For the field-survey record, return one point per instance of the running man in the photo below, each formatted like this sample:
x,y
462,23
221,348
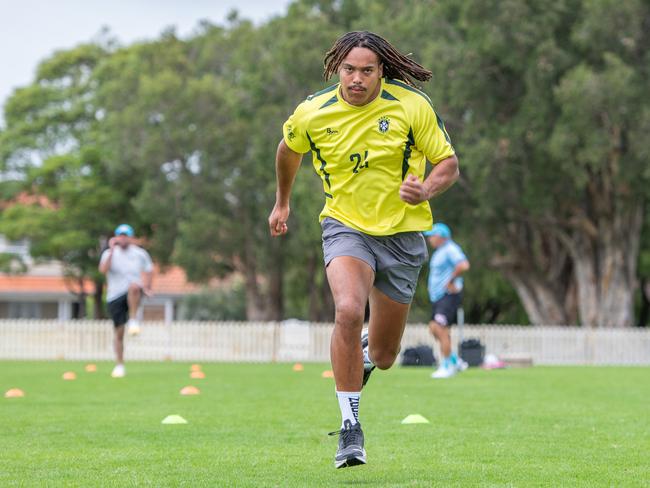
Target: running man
x,y
370,135
445,286
128,270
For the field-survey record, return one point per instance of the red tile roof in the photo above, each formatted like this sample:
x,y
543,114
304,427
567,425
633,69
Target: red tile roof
x,y
24,198
173,281
40,284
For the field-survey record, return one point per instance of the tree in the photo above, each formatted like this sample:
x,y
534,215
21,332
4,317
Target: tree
x,y
49,149
549,110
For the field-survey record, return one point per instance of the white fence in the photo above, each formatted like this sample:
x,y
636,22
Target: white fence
x,y
301,341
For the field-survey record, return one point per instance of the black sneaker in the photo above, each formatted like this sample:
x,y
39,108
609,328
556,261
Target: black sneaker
x,y
368,367
350,451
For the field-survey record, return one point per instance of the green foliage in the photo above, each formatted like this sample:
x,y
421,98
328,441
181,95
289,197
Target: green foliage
x,y
11,263
220,304
545,103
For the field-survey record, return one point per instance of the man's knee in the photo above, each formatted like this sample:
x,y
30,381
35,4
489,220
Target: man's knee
x,y
349,314
119,333
383,358
134,289
432,328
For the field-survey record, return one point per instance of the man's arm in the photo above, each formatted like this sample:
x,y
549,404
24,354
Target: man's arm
x,y
287,163
105,265
147,278
443,175
458,270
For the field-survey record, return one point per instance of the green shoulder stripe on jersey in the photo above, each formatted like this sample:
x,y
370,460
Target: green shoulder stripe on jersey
x,y
322,92
409,88
441,124
331,101
387,96
323,163
407,153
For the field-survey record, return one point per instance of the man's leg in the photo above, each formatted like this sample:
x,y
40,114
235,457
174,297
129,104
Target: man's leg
x,y
387,322
134,295
119,371
446,367
441,333
118,310
350,280
118,343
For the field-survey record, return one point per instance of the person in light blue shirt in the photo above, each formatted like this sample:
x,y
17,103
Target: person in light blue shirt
x,y
448,262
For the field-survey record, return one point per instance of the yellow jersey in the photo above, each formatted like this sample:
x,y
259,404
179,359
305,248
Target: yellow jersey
x,y
363,153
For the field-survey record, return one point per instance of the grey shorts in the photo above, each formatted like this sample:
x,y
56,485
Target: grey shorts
x,y
396,260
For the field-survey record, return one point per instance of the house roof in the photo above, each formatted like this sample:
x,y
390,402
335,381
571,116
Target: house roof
x,y
170,282
25,198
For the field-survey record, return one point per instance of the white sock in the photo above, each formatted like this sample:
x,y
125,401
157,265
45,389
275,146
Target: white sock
x,y
349,405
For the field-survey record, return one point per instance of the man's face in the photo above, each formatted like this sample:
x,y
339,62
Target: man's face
x,y
360,74
122,240
436,241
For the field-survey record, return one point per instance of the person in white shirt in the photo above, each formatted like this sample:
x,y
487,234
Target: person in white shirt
x,y
128,270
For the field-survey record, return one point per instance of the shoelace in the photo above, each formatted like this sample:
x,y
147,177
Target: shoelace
x,y
350,436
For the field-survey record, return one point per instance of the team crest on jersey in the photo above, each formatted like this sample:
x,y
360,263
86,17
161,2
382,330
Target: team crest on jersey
x,y
384,124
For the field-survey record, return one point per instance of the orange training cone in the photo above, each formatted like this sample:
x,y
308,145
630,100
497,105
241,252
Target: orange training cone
x,y
91,368
14,393
197,375
69,375
195,367
328,373
298,367
190,390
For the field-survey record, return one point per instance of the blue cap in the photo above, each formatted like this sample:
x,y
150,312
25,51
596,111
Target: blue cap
x,y
124,229
439,229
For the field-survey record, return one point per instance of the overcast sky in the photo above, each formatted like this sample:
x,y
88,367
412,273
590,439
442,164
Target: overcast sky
x,y
31,30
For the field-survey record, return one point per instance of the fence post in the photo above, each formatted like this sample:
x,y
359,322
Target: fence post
x,y
589,346
168,327
276,341
63,340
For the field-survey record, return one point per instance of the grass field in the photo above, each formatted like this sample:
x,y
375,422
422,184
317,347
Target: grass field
x,y
266,425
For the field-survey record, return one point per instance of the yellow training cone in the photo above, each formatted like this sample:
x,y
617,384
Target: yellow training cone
x,y
328,373
14,393
197,375
91,368
415,419
298,367
190,390
195,367
173,419
69,375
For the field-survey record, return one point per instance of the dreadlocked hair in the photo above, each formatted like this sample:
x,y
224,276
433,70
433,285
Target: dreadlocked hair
x,y
396,65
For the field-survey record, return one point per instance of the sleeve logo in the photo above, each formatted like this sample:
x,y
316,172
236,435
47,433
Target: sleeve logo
x,y
290,133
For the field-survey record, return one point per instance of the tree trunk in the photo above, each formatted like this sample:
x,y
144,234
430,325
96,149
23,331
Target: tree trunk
x,y
275,293
540,300
255,309
321,302
539,269
81,306
605,263
99,312
644,313
255,303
